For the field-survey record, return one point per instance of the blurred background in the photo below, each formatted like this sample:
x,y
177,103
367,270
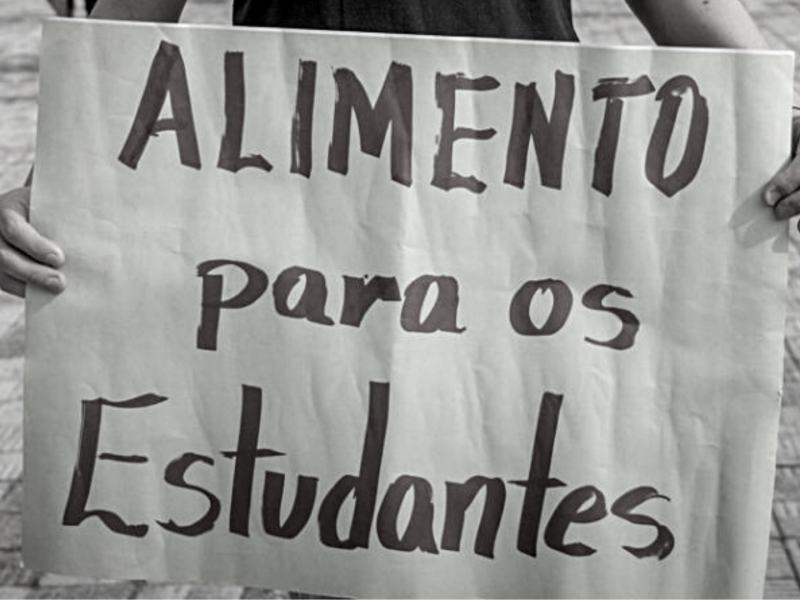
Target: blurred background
x,y
597,21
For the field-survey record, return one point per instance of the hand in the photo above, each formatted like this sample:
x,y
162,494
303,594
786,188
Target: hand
x,y
25,255
783,190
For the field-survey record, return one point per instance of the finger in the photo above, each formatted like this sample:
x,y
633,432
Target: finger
x,y
20,267
788,207
785,183
16,230
12,286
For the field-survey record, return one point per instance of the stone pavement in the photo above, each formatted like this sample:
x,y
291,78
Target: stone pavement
x,y
598,21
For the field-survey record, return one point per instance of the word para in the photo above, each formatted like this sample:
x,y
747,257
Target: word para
x,y
359,296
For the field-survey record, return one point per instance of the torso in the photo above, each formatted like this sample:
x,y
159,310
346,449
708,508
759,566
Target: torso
x,y
519,19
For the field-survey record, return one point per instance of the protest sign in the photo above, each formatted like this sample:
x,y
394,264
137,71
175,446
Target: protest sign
x,y
401,316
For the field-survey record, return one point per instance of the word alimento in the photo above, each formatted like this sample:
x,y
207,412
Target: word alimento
x,y
530,124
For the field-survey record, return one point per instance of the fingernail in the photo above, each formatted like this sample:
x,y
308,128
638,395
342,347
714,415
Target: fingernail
x,y
53,259
771,196
784,210
54,284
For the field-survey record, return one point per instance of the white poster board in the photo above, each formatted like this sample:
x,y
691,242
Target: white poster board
x,y
397,316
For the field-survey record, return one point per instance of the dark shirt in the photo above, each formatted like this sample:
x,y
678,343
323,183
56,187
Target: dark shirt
x,y
520,19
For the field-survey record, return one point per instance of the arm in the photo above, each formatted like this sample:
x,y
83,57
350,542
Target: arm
x,y
709,23
25,255
723,24
159,11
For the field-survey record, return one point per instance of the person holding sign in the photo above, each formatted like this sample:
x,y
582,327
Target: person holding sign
x,y
28,257
616,422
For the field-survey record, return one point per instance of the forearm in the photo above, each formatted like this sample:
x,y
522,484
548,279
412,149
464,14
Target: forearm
x,y
708,23
160,11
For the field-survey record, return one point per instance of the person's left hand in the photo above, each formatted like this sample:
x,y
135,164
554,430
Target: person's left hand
x,y
783,190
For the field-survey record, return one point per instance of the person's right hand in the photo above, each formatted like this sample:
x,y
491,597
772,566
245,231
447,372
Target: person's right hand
x,y
25,255
783,190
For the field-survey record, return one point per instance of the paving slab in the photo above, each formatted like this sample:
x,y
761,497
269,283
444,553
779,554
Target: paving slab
x,y
13,575
11,467
779,567
781,589
793,550
787,515
123,589
787,484
13,592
